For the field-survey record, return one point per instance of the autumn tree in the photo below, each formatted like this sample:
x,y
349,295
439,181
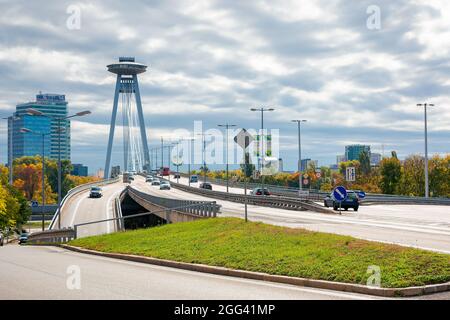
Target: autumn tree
x,y
390,174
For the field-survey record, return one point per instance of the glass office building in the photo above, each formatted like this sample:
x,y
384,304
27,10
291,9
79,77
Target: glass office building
x,y
54,107
352,152
27,143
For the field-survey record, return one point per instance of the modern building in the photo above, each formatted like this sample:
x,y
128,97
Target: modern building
x,y
53,106
352,152
340,158
375,159
79,170
304,165
29,143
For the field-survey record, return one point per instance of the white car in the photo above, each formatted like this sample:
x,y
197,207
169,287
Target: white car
x,y
155,182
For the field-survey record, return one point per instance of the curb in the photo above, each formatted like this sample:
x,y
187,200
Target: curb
x,y
303,282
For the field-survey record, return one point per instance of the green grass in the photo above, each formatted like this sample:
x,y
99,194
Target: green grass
x,y
35,224
232,243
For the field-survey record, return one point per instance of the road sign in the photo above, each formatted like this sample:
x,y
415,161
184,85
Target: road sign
x,y
271,166
243,139
303,192
339,193
305,176
350,174
34,204
361,194
305,182
318,175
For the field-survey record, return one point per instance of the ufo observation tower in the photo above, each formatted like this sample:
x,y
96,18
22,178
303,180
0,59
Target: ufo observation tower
x,y
135,146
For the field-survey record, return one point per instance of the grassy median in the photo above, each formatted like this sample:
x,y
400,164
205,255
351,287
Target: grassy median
x,y
232,243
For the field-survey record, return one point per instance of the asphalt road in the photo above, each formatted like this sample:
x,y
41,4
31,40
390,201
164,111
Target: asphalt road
x,y
426,227
42,273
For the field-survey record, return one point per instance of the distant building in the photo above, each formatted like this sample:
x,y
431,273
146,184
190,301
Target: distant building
x,y
334,166
340,158
52,106
352,152
304,165
27,143
79,170
375,159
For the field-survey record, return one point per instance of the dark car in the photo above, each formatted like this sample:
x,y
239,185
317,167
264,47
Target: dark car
x,y
23,238
259,192
206,185
96,192
193,179
176,176
352,201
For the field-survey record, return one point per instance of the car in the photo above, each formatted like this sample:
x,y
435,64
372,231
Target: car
x,y
259,192
352,201
96,192
176,176
155,182
193,179
149,179
164,185
131,177
23,238
206,185
1,239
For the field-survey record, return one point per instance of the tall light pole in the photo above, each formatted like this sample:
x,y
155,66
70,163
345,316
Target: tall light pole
x,y
42,134
203,153
425,105
10,128
299,153
35,112
262,110
189,140
227,126
177,164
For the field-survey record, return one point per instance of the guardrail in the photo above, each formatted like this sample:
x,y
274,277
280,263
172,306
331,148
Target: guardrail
x,y
318,195
198,208
265,201
52,236
76,190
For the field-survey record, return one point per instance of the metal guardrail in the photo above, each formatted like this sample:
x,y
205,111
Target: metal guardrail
x,y
318,195
198,208
76,190
265,201
52,236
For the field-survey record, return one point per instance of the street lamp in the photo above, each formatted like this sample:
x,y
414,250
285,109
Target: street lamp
x,y
42,134
203,153
35,112
189,139
227,126
177,164
11,120
262,110
425,105
299,153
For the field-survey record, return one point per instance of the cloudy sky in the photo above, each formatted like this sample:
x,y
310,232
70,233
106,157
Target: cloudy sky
x,y
213,60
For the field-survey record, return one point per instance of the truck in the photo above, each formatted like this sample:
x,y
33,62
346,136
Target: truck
x,y
164,171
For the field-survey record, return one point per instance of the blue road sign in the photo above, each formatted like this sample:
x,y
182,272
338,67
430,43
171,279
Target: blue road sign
x,y
339,193
34,204
361,194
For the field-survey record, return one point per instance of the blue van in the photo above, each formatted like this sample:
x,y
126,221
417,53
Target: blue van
x,y
193,179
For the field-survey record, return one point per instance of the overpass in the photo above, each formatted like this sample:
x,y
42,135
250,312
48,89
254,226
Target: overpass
x,y
426,227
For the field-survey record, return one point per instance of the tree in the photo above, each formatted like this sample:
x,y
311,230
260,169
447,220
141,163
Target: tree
x,y
390,172
440,176
364,160
412,181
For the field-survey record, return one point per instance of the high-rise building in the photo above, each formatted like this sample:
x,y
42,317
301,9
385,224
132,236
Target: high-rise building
x,y
304,165
352,152
79,170
375,159
29,144
53,106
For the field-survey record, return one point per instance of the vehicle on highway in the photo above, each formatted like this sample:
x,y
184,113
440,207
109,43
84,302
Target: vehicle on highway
x,y
1,239
193,179
164,185
206,185
155,182
352,201
259,192
149,179
23,238
96,192
176,176
165,171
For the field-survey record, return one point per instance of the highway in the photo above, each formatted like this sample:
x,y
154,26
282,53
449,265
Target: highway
x,y
421,226
26,271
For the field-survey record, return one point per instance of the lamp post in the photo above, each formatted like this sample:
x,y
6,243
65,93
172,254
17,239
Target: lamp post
x,y
227,126
35,112
11,120
425,105
177,164
189,140
262,110
299,153
42,134
203,153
